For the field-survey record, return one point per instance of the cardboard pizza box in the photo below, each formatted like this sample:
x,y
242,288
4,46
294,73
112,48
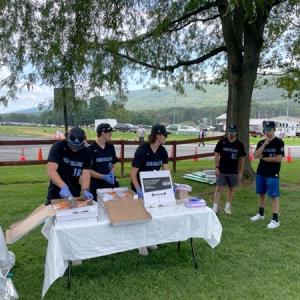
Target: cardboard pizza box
x,y
125,211
21,228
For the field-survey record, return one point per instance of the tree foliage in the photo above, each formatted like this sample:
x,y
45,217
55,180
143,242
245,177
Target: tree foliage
x,y
95,44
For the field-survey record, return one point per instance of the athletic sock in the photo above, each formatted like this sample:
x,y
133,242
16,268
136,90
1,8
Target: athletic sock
x,y
227,205
215,207
275,217
261,211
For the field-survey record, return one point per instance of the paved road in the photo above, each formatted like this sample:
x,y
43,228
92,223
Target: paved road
x,y
13,152
8,153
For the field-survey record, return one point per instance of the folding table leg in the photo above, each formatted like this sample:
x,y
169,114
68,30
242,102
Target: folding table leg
x,y
69,273
193,253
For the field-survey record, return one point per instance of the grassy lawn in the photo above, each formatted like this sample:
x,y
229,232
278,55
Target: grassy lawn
x,y
251,262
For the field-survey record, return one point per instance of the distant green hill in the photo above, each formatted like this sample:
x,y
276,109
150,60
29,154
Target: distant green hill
x,y
215,95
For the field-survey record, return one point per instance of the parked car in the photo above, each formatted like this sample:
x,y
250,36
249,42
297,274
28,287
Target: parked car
x,y
256,133
126,127
172,128
188,130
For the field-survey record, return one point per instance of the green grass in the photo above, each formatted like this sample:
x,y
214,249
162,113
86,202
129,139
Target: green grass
x,y
251,262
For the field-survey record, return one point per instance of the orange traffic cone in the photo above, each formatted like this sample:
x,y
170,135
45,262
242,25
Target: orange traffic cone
x,y
22,156
40,154
289,156
251,156
196,152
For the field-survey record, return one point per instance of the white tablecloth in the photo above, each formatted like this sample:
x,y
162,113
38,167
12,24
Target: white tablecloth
x,y
168,224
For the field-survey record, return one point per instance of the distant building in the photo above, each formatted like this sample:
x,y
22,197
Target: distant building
x,y
285,125
254,124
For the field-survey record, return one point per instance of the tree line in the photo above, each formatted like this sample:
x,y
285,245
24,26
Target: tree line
x,y
100,108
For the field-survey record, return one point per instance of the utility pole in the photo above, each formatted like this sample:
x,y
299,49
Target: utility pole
x,y
174,119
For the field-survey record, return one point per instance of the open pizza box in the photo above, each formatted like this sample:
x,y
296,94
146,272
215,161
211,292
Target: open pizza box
x,y
17,230
122,206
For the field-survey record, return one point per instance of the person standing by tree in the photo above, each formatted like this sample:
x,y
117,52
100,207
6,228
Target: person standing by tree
x,y
270,152
104,159
149,157
229,166
68,167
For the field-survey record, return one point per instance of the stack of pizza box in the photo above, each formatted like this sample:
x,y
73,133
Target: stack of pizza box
x,y
76,212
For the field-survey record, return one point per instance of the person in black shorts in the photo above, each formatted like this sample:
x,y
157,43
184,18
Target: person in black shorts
x,y
68,167
104,159
270,152
149,156
229,166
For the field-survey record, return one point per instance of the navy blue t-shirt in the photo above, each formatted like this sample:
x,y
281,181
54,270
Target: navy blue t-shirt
x,y
274,148
230,152
70,166
145,160
103,160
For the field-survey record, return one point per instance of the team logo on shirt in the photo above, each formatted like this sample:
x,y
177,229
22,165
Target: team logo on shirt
x,y
72,162
104,159
154,163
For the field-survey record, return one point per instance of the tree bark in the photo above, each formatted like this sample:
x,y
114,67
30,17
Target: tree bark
x,y
243,46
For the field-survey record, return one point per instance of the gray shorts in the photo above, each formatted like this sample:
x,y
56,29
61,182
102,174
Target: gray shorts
x,y
227,179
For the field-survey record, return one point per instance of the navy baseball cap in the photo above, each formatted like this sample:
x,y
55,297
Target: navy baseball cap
x,y
75,138
268,125
159,129
104,127
232,128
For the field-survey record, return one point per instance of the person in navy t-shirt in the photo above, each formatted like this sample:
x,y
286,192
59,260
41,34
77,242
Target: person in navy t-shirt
x,y
149,157
229,166
103,160
68,167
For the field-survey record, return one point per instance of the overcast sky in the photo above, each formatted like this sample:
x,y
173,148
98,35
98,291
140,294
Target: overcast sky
x,y
40,94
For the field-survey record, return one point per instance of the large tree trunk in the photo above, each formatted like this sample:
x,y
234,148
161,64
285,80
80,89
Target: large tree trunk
x,y
239,106
243,44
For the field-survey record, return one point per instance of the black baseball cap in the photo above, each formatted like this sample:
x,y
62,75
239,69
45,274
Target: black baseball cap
x,y
75,138
159,129
104,127
232,128
268,125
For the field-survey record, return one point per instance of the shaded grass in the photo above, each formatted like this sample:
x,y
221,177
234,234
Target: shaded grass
x,y
251,261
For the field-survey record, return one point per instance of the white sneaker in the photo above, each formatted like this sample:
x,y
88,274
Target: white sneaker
x,y
273,224
143,251
152,247
257,217
227,210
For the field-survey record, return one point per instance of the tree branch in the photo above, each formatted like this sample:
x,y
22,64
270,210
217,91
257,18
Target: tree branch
x,y
192,21
146,35
179,63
